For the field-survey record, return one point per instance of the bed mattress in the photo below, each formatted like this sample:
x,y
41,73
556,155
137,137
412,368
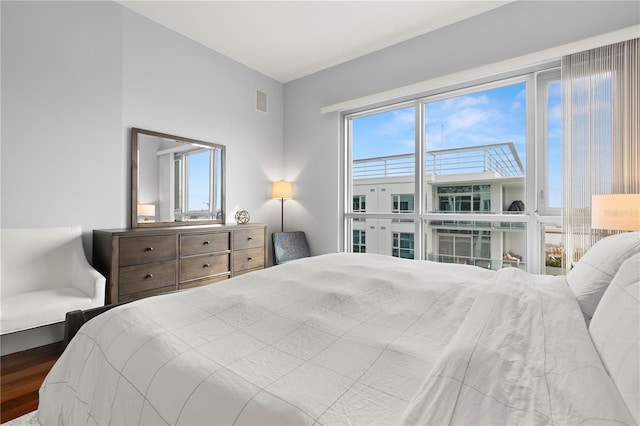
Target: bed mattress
x,y
340,339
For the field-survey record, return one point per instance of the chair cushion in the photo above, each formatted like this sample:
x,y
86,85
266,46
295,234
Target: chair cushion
x,y
42,307
289,246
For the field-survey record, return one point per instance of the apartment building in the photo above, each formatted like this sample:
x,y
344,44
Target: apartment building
x,y
476,180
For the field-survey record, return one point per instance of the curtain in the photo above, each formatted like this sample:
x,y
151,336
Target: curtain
x,y
601,135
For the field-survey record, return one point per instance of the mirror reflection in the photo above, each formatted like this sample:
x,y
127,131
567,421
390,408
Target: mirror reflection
x,y
178,180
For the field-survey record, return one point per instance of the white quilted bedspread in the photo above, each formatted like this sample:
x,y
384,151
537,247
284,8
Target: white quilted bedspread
x,y
340,339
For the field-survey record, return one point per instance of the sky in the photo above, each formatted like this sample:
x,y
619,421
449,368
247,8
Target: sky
x,y
494,116
198,194
481,118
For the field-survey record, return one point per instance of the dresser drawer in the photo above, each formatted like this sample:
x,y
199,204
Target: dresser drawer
x,y
198,283
248,259
248,238
193,244
193,268
138,278
138,250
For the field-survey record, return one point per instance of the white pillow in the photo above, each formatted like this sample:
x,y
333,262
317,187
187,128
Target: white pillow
x,y
615,331
591,276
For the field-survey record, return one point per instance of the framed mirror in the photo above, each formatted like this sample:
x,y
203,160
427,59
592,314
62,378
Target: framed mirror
x,y
175,181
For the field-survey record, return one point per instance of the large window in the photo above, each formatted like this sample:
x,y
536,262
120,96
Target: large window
x,y
460,167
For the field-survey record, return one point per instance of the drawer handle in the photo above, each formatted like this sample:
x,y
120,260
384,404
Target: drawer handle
x,y
249,258
249,238
149,249
148,276
206,265
205,243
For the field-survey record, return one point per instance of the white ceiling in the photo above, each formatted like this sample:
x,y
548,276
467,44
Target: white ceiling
x,y
286,40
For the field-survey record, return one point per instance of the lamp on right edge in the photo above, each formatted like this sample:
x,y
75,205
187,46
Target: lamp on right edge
x,y
616,212
282,190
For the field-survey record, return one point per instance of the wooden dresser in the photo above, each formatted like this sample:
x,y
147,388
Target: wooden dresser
x,y
142,262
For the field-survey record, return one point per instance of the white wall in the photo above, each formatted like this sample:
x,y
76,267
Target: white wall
x,y
312,140
76,76
62,114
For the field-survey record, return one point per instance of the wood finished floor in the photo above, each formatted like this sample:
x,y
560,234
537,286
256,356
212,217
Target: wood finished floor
x,y
21,375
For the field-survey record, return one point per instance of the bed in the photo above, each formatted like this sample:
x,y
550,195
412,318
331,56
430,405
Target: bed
x,y
366,339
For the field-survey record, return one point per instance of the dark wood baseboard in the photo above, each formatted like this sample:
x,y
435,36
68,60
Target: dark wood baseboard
x,y
21,375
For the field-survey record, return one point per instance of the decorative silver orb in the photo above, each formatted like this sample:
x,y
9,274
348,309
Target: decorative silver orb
x,y
242,217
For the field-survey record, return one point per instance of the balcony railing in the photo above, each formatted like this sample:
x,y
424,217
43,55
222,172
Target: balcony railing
x,y
501,159
389,166
493,264
476,224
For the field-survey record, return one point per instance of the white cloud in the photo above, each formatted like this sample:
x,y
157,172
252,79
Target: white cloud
x,y
465,118
555,112
464,102
399,123
404,116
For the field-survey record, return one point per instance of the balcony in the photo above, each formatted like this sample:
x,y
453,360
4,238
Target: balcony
x,y
493,264
500,159
477,224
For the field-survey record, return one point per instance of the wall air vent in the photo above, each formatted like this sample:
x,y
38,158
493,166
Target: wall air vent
x,y
261,101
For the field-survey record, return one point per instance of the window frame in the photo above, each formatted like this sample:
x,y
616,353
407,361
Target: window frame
x,y
543,79
528,219
184,191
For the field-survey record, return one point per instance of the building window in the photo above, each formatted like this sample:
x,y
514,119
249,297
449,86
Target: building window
x,y
466,247
359,203
359,241
402,245
402,203
464,198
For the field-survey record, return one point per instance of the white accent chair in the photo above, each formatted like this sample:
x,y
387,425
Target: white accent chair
x,y
44,275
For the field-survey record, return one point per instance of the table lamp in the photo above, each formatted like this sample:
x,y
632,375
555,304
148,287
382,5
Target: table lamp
x,y
615,212
146,210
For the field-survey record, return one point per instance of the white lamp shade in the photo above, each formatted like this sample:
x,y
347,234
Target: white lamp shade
x,y
282,189
146,209
618,212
